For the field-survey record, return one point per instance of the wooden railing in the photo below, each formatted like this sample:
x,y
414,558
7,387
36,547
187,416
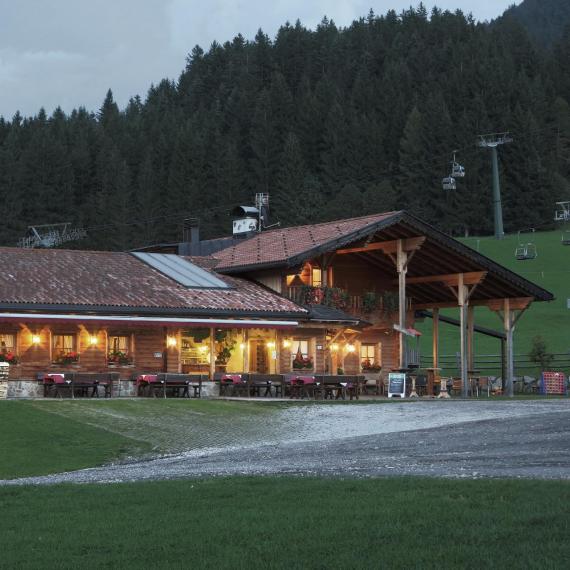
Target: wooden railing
x,y
341,299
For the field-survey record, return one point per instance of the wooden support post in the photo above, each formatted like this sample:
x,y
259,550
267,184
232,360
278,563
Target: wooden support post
x,y
470,335
503,364
245,351
462,298
435,335
212,354
402,267
509,330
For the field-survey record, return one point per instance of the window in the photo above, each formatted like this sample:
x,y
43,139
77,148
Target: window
x,y
300,355
64,348
8,348
316,277
119,350
7,343
368,359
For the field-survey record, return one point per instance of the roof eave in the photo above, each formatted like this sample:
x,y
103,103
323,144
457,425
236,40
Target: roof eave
x,y
533,290
147,311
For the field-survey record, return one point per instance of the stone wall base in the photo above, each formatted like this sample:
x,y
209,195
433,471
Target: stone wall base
x,y
123,389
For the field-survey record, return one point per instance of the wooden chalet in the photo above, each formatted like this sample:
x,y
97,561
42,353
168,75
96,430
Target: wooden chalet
x,y
326,298
383,269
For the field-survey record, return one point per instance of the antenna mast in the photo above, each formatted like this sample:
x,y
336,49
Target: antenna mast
x,y
493,141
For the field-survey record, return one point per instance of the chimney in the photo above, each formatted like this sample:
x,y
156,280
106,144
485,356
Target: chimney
x,y
191,230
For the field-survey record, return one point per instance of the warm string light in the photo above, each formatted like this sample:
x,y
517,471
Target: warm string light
x,y
286,343
350,347
171,341
334,347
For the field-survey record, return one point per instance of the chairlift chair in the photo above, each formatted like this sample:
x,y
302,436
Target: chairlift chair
x,y
526,251
449,183
457,171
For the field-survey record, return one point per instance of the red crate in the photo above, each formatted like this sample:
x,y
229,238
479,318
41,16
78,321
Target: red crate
x,y
553,383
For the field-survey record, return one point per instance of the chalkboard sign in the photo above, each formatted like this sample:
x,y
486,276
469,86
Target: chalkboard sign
x,y
397,384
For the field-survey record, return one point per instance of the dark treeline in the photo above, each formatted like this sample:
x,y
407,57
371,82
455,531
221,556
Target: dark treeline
x,y
331,122
544,19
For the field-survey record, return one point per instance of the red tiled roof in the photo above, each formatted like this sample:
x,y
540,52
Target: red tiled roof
x,y
93,278
279,245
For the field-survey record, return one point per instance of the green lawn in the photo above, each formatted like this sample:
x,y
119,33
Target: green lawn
x,y
288,523
550,270
36,441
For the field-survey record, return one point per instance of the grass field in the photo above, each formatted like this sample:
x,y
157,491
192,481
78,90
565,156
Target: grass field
x,y
550,270
288,523
36,441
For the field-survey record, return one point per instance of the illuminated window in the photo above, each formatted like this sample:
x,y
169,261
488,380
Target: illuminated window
x,y
7,343
300,356
368,355
316,277
64,347
119,351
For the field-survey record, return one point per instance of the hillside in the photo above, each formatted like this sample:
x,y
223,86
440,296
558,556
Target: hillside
x,y
551,270
331,122
545,20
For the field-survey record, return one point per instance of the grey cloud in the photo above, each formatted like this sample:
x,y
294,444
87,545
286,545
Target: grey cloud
x,y
69,52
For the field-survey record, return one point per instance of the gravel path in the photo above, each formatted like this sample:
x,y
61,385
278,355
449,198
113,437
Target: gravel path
x,y
442,439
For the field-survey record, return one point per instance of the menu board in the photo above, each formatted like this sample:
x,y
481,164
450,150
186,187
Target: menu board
x,y
553,383
397,384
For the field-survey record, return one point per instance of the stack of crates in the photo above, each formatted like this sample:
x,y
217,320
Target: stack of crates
x,y
553,383
4,371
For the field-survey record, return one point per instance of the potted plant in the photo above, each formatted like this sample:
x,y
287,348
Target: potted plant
x,y
9,357
368,366
68,358
120,358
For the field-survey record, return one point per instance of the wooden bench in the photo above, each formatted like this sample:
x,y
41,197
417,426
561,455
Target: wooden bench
x,y
82,382
179,384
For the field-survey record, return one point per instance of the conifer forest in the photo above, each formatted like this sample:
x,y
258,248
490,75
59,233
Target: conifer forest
x,y
331,122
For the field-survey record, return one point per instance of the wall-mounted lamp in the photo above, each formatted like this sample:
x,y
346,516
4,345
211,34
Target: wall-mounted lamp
x,y
286,344
334,347
36,339
171,341
270,344
350,348
92,340
242,346
202,348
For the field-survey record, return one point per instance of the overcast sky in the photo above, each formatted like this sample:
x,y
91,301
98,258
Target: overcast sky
x,y
69,52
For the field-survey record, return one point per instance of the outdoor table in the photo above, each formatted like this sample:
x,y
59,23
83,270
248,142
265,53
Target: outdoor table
x,y
302,386
234,381
56,380
144,381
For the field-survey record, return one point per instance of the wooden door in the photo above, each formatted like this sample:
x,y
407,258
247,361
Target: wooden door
x,y
258,357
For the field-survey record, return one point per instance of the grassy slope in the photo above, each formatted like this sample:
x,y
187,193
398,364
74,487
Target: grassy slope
x,y
550,270
288,523
37,442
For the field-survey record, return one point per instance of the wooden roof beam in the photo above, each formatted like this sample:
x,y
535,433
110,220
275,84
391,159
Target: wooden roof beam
x,y
516,304
387,247
451,279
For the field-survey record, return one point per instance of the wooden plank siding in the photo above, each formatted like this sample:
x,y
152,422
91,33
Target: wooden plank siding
x,y
34,359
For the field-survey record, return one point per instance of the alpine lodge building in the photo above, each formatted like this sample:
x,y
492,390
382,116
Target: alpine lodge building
x,y
335,298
